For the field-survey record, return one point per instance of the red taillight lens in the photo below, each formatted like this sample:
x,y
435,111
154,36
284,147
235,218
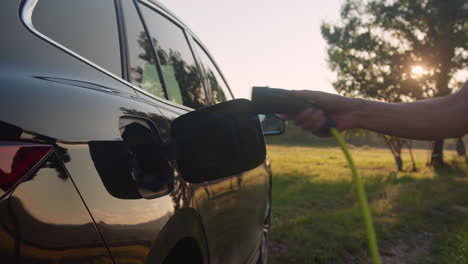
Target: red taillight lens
x,y
17,159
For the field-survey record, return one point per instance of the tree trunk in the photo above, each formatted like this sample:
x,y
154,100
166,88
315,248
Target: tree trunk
x,y
410,149
399,162
461,150
437,158
445,51
394,144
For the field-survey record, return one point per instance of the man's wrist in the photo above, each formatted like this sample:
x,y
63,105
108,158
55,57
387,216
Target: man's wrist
x,y
358,112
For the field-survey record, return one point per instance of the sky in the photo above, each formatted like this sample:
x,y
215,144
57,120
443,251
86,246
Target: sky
x,y
263,42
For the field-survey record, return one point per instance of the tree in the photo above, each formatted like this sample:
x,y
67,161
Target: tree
x,y
398,51
395,145
460,146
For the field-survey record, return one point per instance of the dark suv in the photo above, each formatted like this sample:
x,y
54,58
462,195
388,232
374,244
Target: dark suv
x,y
120,141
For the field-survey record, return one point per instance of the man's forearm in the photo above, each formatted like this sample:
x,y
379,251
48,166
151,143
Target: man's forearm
x,y
444,117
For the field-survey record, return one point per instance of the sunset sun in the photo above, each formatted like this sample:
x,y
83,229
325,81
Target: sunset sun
x,y
418,71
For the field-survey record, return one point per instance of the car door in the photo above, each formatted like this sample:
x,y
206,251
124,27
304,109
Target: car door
x,y
233,209
250,203
218,201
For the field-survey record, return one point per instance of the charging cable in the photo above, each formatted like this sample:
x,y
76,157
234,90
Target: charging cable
x,y
366,214
266,100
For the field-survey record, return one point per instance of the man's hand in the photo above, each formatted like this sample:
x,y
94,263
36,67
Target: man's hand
x,y
342,110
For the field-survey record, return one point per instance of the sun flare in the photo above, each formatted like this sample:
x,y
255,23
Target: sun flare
x,y
418,71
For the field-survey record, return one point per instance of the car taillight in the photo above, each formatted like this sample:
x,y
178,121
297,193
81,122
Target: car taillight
x,y
17,159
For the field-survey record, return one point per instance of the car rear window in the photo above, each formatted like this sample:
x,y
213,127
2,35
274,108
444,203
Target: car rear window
x,y
87,27
181,75
142,60
219,89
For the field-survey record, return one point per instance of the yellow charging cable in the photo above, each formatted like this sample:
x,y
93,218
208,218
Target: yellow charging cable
x,y
366,215
272,100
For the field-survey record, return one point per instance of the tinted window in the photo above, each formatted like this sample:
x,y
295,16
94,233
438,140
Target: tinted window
x,y
219,89
87,27
179,71
142,60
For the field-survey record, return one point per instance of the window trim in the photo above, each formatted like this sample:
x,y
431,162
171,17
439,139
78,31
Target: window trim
x,y
122,39
26,13
197,42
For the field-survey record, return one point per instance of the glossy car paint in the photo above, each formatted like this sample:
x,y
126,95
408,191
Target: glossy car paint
x,y
38,224
75,210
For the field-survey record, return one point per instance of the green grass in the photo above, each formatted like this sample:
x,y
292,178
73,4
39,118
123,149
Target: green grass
x,y
316,217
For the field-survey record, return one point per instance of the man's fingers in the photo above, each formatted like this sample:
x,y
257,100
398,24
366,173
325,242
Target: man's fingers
x,y
315,123
312,120
304,116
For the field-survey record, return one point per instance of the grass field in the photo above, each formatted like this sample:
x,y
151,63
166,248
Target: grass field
x,y
420,217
